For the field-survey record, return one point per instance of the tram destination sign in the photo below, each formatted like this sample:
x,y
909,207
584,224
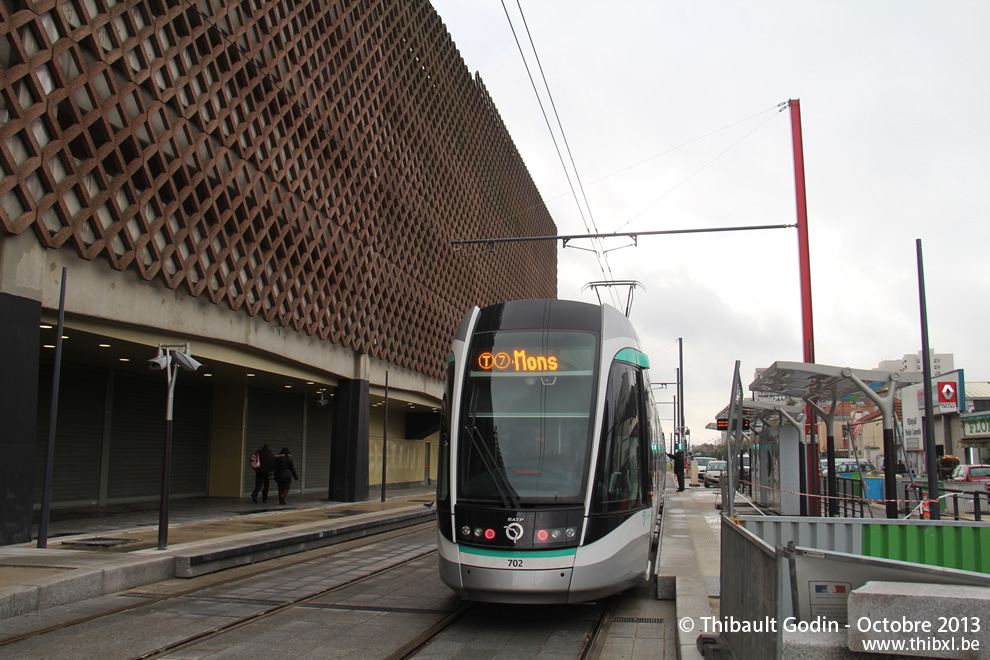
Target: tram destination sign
x,y
517,360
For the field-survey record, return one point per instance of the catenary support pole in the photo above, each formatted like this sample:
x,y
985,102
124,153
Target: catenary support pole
x,y
680,389
46,487
804,262
385,439
931,462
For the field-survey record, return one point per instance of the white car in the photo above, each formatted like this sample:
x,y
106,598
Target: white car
x,y
702,462
848,466
714,472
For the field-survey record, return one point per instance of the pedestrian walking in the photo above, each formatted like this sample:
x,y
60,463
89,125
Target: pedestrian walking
x,y
285,472
265,460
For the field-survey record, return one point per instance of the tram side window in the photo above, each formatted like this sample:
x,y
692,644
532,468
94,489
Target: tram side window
x,y
619,478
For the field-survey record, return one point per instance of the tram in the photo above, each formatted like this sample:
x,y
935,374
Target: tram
x,y
551,470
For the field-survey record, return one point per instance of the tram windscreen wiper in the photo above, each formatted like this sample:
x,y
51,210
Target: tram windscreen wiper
x,y
505,491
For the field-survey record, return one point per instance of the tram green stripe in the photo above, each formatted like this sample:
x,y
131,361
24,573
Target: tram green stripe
x,y
518,554
632,356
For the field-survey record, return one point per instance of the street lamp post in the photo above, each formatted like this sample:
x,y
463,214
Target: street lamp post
x,y
169,359
674,436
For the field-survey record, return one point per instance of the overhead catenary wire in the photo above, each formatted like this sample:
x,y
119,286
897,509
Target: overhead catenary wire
x,y
625,234
599,251
781,107
776,108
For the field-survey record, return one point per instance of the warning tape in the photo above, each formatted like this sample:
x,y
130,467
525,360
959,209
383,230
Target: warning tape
x,y
841,497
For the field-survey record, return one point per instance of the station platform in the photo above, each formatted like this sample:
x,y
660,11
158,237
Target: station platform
x,y
94,551
690,560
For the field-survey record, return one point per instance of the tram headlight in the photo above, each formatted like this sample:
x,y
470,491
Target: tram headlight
x,y
542,535
570,532
478,532
465,531
489,534
555,534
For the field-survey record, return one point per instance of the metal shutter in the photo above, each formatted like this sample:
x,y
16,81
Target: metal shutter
x,y
319,423
137,438
78,434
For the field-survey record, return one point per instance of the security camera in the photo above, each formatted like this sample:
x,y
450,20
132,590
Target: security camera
x,y
187,362
159,363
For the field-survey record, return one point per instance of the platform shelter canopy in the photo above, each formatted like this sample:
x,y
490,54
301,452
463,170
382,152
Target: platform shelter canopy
x,y
824,383
763,412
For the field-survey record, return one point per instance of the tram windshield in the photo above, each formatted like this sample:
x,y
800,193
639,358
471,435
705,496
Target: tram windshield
x,y
526,416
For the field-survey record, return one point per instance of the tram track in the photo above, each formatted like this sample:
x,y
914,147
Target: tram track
x,y
277,609
599,633
380,597
417,644
228,577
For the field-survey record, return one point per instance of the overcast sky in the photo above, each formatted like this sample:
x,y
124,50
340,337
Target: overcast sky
x,y
670,111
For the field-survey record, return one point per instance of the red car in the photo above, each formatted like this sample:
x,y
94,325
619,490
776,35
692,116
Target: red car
x,y
971,473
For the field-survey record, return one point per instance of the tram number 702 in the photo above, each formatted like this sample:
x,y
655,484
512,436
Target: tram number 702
x,y
515,563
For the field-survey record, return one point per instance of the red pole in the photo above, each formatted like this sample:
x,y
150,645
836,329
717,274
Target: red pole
x,y
802,226
807,325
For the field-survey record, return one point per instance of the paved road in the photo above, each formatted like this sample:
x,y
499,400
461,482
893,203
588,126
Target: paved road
x,y
290,606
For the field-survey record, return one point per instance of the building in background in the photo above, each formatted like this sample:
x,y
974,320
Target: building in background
x,y
940,363
275,183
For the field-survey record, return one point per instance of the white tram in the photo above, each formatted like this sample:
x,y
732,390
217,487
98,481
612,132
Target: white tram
x,y
551,466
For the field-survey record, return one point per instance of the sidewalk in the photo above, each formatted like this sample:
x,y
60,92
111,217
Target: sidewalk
x,y
690,559
93,551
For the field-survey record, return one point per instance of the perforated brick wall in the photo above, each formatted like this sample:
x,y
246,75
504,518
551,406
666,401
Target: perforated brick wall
x,y
303,162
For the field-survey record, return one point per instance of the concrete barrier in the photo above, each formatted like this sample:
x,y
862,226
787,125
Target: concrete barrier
x,y
924,620
197,559
767,576
85,579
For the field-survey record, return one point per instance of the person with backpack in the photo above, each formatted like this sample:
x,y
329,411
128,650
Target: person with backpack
x,y
285,472
263,462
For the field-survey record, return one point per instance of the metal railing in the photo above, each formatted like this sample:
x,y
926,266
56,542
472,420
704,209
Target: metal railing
x,y
852,501
980,499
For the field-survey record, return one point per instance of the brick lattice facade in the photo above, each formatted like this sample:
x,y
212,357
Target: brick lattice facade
x,y
302,161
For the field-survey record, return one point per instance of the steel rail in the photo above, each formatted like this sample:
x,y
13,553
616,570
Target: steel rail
x,y
237,573
277,609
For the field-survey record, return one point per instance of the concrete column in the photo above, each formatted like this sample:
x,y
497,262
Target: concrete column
x,y
20,339
349,443
227,431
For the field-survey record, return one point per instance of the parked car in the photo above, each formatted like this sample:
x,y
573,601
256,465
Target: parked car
x,y
702,462
971,473
713,472
844,466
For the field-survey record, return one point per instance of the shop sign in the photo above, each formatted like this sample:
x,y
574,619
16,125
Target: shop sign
x,y
976,425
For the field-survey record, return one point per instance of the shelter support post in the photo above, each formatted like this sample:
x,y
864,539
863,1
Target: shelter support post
x,y
832,483
886,406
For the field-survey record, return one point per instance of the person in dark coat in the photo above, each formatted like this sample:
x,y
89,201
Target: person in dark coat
x,y
285,472
262,474
678,457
